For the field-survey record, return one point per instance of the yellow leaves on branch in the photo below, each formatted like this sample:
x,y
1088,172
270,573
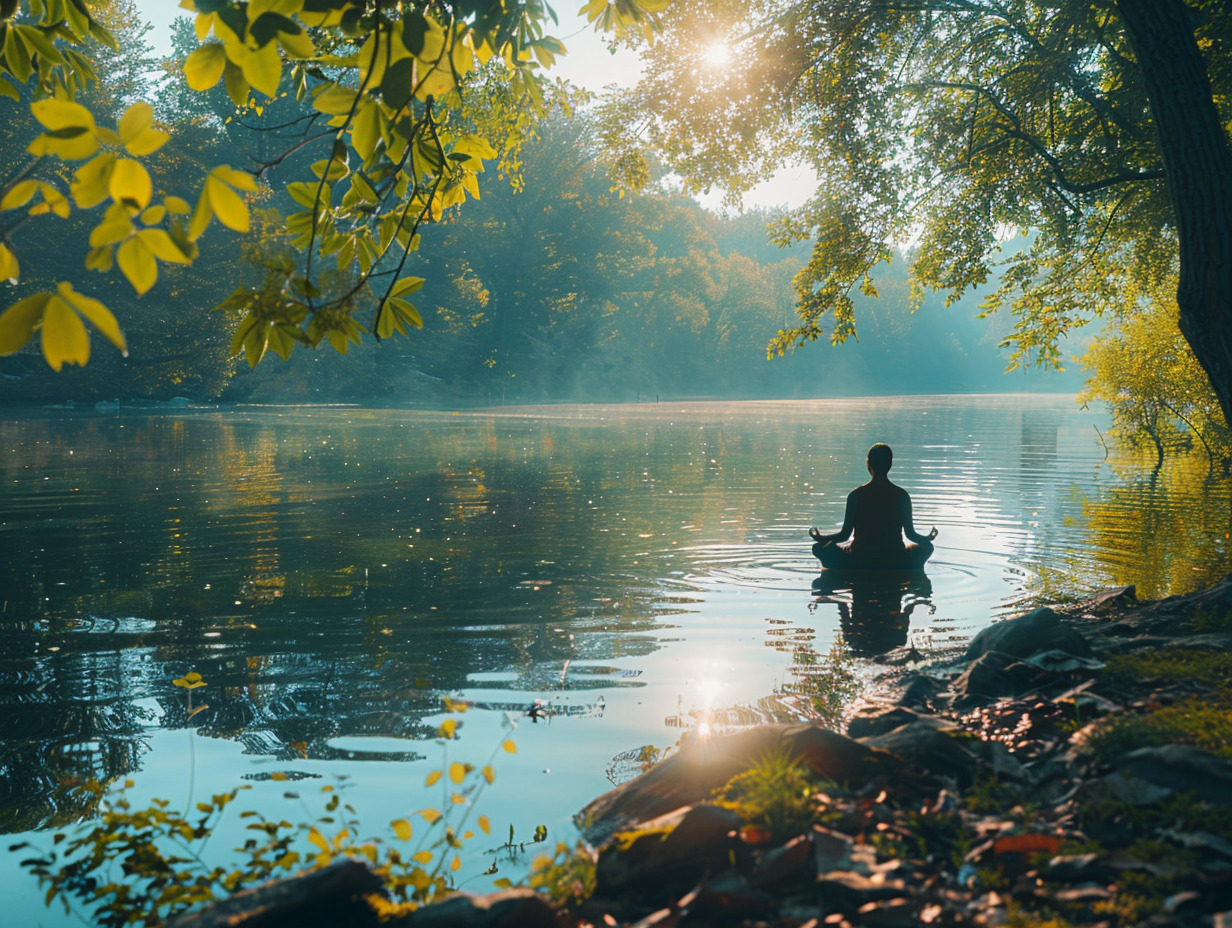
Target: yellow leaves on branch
x,y
219,198
72,134
251,60
58,319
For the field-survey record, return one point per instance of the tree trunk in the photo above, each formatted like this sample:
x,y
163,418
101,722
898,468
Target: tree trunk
x,y
1198,165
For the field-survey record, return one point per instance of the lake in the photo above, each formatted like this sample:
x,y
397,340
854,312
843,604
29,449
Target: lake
x,y
592,581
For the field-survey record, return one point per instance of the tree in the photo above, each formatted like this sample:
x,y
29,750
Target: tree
x,y
1153,384
392,137
1094,125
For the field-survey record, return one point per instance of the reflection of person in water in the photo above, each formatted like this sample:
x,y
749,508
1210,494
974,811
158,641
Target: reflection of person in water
x,y
878,515
878,615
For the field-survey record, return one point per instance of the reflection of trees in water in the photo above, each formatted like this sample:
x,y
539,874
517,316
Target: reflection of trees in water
x,y
1166,533
65,718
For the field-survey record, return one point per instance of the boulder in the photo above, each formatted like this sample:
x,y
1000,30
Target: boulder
x,y
692,774
514,908
665,857
877,718
1039,630
931,745
333,895
993,675
1182,768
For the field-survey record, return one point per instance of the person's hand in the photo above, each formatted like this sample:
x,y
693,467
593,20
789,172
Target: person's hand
x,y
933,533
815,533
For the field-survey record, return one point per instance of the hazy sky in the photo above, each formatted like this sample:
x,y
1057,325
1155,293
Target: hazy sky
x,y
588,64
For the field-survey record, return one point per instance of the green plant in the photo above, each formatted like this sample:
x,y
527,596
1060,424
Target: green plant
x,y
777,791
1206,621
143,866
568,875
1206,667
1198,722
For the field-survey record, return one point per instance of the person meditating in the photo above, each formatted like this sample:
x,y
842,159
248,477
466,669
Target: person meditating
x,y
879,515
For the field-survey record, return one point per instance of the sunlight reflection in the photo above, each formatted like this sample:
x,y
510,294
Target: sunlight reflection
x,y
716,54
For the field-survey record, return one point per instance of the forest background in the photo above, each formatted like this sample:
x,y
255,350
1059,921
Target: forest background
x,y
566,290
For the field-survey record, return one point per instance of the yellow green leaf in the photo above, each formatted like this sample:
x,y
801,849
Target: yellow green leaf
x,y
203,67
130,184
159,244
201,215
262,68
19,194
457,772
433,778
484,825
423,857
402,828
226,205
241,180
509,746
102,319
53,202
488,773
58,115
9,269
64,337
236,84
431,815
154,215
334,100
92,181
449,728
455,864
137,264
18,321
457,799
318,839
177,205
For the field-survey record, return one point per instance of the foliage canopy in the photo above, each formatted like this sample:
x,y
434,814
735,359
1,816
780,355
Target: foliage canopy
x,y
379,136
948,124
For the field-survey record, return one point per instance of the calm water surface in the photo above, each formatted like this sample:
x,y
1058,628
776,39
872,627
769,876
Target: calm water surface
x,y
333,573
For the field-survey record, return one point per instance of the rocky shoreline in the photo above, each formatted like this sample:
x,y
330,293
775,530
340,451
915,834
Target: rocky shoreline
x,y
1073,767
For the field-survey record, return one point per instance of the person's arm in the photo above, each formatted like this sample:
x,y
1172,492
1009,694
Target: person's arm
x,y
909,527
848,524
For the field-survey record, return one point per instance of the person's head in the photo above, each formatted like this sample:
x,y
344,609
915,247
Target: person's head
x,y
880,459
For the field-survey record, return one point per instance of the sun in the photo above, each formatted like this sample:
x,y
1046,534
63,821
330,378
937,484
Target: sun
x,y
716,54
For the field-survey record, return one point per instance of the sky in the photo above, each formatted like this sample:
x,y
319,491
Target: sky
x,y
589,64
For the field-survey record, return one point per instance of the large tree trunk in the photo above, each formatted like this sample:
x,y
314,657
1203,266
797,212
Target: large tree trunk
x,y
1198,165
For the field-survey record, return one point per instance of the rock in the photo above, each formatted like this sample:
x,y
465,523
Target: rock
x,y
1082,895
847,891
332,895
993,675
791,861
878,718
1056,661
888,913
931,745
697,770
1182,768
665,857
726,895
1114,600
514,908
1039,630
918,690
831,850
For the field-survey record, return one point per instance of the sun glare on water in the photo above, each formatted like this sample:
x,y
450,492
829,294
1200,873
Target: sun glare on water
x,y
716,54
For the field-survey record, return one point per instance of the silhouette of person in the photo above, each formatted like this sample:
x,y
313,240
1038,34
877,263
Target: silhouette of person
x,y
877,517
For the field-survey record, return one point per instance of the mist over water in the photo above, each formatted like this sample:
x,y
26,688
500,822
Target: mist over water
x,y
332,573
